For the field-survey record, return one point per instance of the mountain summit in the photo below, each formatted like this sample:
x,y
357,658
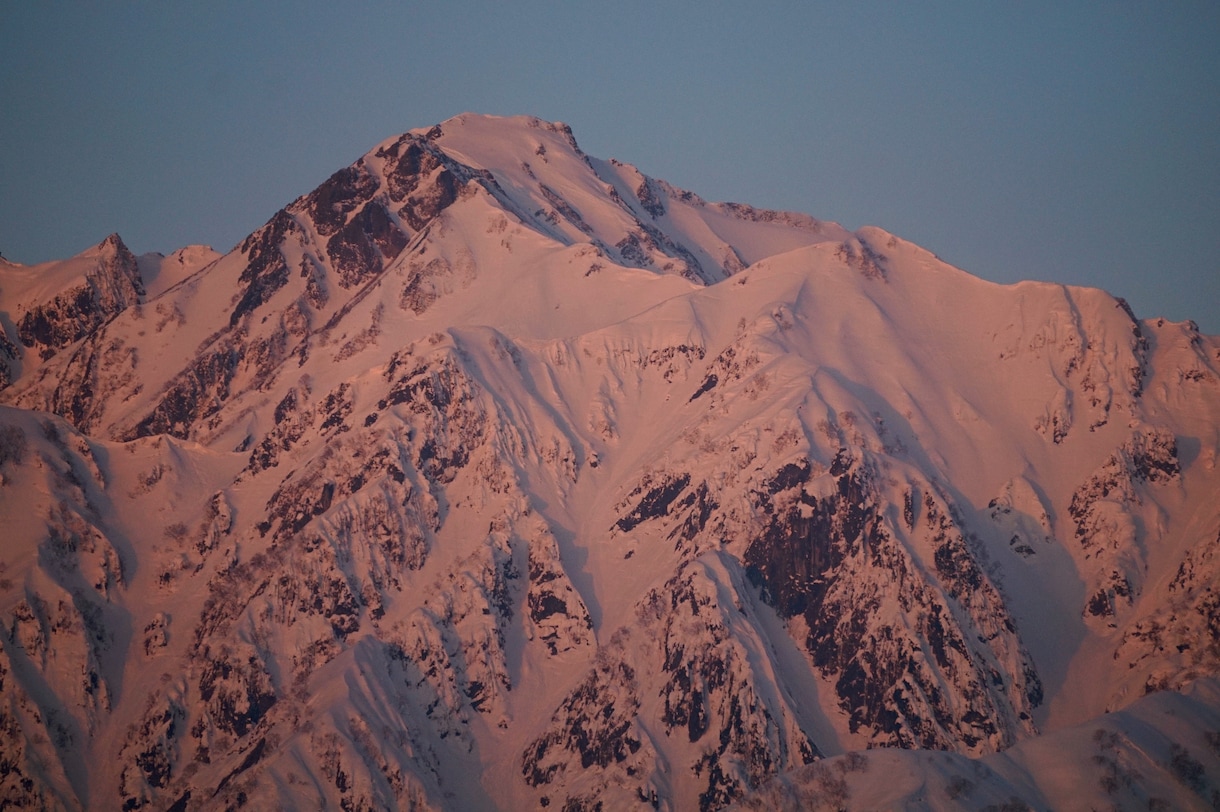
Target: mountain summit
x,y
491,458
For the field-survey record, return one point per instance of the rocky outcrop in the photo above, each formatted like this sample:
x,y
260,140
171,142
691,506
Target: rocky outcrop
x,y
898,638
556,612
594,727
10,358
1106,510
1180,641
684,680
112,286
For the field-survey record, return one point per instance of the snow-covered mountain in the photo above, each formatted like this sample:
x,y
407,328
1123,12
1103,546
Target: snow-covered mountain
x,y
493,475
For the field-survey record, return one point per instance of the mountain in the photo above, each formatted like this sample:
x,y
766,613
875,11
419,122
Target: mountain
x,y
491,458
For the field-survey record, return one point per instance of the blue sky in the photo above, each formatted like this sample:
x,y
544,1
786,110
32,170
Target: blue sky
x,y
1072,142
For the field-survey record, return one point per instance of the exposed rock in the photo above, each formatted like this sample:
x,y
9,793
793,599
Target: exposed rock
x,y
111,287
197,393
832,559
1105,510
266,270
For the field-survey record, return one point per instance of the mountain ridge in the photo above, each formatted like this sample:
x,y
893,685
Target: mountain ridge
x,y
490,456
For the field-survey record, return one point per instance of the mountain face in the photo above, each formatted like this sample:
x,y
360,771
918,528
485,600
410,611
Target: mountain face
x,y
491,459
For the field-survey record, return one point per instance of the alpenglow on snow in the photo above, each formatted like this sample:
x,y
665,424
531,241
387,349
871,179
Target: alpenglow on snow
x,y
493,475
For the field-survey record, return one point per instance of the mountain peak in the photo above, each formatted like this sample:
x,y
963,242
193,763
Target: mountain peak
x,y
500,142
113,244
486,123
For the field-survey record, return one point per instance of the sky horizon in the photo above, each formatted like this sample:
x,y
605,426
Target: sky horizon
x,y
1018,141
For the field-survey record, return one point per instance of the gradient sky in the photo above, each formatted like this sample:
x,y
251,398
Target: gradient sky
x,y
1073,142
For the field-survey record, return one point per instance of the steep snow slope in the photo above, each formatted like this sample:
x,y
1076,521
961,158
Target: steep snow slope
x,y
489,457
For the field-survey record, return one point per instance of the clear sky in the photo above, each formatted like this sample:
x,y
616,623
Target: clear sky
x,y
1076,142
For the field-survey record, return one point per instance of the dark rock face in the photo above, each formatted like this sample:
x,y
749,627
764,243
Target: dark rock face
x,y
632,250
406,160
342,193
266,270
708,384
113,286
1146,457
237,691
153,753
638,248
816,557
421,179
64,615
655,502
362,233
555,608
599,731
1186,632
198,392
361,248
712,694
97,366
684,261
1139,347
425,285
10,359
652,200
443,397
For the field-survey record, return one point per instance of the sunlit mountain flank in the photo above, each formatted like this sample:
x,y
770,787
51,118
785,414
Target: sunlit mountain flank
x,y
493,475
